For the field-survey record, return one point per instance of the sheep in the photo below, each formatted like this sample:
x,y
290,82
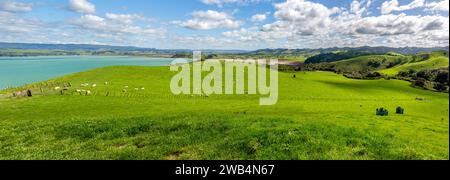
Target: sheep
x,y
94,85
142,88
106,83
57,88
126,87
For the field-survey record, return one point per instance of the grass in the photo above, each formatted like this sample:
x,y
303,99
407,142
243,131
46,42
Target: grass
x,y
432,63
362,63
320,115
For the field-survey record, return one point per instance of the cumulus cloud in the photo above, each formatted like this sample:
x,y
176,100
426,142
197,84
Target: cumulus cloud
x,y
304,17
11,23
220,3
207,20
82,6
297,20
438,5
398,24
13,6
393,5
110,25
123,18
259,17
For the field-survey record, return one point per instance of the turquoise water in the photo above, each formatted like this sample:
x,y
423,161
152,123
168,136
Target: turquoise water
x,y
18,71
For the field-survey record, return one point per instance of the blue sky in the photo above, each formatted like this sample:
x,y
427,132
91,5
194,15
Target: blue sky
x,y
227,24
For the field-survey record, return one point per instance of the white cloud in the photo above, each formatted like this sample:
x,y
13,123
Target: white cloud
x,y
297,20
438,5
82,6
13,6
110,25
393,5
207,20
397,24
357,8
123,18
303,17
11,23
220,3
259,17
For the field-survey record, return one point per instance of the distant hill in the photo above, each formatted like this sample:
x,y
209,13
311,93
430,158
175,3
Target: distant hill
x,y
91,47
366,49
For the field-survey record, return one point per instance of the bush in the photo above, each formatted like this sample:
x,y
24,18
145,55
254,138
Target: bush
x,y
382,112
400,110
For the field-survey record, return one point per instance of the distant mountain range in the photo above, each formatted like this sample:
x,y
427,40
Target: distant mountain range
x,y
91,47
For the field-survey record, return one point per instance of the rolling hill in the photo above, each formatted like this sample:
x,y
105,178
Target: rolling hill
x,y
320,115
434,60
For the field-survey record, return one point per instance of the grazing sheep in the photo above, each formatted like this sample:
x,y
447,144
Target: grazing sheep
x,y
94,85
57,88
88,93
78,90
137,89
126,87
106,83
143,88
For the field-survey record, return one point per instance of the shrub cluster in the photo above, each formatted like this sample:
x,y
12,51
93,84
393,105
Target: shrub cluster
x,y
437,79
382,112
400,110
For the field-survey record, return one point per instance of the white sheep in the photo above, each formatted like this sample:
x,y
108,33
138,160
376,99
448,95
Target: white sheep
x,y
57,88
94,85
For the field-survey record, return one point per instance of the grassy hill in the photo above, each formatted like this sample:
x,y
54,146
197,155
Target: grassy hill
x,y
435,61
320,115
389,64
368,63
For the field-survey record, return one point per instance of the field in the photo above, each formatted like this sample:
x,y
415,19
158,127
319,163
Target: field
x,y
320,115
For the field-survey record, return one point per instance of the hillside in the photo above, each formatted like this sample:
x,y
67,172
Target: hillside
x,y
369,63
434,60
320,115
360,64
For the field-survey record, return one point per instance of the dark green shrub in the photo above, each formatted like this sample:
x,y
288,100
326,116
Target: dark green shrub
x,y
382,112
400,110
